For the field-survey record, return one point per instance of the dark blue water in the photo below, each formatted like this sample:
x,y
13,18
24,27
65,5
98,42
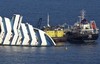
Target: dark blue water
x,y
69,54
60,11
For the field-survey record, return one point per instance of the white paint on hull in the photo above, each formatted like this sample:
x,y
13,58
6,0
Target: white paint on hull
x,y
42,38
9,33
32,35
14,32
2,30
25,35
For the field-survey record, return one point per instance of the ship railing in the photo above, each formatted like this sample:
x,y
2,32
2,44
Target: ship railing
x,y
89,31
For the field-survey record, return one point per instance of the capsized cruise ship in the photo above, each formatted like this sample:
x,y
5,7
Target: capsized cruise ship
x,y
15,33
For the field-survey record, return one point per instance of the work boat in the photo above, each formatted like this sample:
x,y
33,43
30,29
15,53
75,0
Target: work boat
x,y
57,32
15,33
83,31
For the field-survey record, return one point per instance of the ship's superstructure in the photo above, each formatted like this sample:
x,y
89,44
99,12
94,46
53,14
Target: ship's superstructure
x,y
14,32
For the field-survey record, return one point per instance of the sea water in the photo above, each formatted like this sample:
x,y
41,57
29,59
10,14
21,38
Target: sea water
x,y
60,11
68,54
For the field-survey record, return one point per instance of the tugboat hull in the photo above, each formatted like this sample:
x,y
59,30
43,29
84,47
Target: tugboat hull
x,y
81,38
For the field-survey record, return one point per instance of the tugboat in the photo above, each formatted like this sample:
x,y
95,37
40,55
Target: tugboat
x,y
83,31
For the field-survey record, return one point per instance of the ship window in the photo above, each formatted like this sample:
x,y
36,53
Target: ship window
x,y
86,28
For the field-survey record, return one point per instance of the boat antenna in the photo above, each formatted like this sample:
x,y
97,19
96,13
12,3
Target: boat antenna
x,y
48,20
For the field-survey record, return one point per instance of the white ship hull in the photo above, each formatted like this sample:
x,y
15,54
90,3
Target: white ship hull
x,y
15,33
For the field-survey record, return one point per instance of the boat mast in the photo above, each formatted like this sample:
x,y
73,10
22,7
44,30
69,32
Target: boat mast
x,y
82,14
48,20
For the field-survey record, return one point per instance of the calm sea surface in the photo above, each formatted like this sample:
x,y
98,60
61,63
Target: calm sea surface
x,y
61,11
68,54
